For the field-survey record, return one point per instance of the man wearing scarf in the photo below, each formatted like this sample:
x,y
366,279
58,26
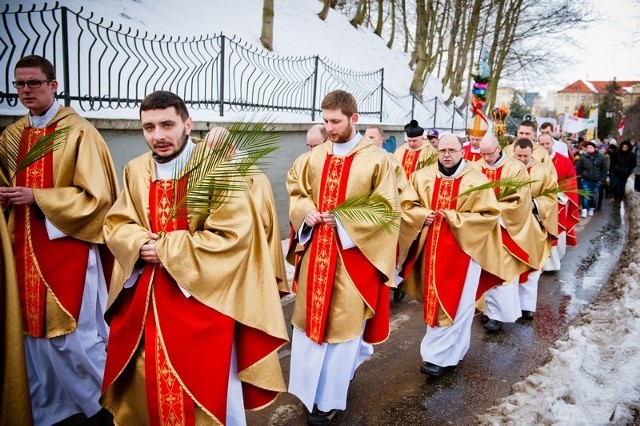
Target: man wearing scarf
x,y
346,267
449,236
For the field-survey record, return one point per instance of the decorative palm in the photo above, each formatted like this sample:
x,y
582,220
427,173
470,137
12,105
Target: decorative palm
x,y
568,184
216,168
508,186
11,151
371,207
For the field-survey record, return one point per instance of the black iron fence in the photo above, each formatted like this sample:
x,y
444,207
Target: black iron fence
x,y
103,65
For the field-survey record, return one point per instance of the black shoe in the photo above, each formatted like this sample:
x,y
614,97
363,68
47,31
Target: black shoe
x,y
483,319
317,417
528,315
493,326
431,369
398,294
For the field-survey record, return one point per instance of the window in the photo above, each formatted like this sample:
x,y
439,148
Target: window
x,y
567,98
566,110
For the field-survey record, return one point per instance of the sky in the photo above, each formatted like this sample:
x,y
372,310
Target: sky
x,y
599,357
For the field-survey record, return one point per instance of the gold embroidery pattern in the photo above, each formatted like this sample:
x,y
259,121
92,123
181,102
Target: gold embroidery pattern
x,y
165,200
492,175
443,201
33,282
409,161
170,394
326,249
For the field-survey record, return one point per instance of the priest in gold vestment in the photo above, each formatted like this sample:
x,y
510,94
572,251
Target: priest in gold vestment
x,y
56,206
545,210
449,251
416,152
346,267
194,311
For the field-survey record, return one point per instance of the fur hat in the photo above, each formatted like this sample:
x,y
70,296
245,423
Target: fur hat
x,y
412,129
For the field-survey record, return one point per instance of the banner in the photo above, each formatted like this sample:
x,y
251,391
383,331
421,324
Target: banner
x,y
592,124
573,124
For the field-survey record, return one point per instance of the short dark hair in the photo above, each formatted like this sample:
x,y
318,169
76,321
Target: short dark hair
x,y
546,125
339,99
35,61
523,143
528,123
163,99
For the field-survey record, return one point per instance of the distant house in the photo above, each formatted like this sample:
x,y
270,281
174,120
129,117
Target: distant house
x,y
586,93
531,100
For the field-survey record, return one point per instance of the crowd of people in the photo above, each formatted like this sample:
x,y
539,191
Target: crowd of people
x,y
139,305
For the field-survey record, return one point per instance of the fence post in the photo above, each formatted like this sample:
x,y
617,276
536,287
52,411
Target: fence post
x,y
381,91
315,88
65,57
435,111
221,79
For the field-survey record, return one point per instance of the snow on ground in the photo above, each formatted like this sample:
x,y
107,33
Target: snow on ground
x,y
593,375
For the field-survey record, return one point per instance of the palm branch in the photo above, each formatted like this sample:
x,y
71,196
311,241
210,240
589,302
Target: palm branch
x,y
427,162
214,172
508,186
370,207
568,184
13,158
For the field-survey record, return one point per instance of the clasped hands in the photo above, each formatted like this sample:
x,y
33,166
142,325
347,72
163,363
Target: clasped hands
x,y
430,218
314,217
16,195
148,251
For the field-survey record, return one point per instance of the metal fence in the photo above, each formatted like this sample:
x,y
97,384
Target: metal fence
x,y
103,65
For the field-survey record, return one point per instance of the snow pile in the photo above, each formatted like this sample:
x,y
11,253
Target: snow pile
x,y
593,376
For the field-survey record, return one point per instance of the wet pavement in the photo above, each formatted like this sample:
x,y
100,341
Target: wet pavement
x,y
389,389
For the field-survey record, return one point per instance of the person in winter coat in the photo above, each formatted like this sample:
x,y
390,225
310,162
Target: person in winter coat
x,y
592,169
622,165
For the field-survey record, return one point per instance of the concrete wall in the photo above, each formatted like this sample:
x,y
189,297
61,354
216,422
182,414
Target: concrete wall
x,y
125,141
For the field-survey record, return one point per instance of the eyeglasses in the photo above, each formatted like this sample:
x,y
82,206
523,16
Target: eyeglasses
x,y
449,151
486,154
33,84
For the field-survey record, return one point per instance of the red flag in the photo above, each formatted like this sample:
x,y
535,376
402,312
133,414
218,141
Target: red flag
x,y
621,125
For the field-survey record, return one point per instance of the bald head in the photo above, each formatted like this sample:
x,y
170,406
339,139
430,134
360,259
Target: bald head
x,y
449,138
316,135
490,149
545,140
216,135
489,142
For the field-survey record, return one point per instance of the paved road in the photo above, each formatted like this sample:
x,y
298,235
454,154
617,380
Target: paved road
x,y
390,390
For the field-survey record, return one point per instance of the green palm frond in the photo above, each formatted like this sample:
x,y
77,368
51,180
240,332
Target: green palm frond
x,y
216,172
370,207
11,155
569,184
508,186
424,163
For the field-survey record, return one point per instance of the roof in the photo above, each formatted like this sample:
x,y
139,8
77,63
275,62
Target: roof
x,y
529,98
582,86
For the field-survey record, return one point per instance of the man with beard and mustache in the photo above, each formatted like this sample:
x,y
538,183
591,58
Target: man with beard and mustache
x,y
346,267
194,309
448,238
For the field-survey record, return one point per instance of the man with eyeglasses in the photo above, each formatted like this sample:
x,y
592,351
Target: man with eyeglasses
x,y
56,207
415,153
449,237
520,233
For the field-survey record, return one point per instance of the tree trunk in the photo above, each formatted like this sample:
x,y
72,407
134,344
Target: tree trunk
x,y
393,24
378,30
267,25
327,4
417,83
361,13
406,27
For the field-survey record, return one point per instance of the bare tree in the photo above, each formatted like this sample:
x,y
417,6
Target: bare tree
x,y
378,30
267,25
361,13
325,9
419,56
392,36
405,26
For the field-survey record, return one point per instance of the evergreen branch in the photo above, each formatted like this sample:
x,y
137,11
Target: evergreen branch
x,y
218,165
13,158
370,207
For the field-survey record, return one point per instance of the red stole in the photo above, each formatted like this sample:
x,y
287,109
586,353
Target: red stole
x,y
409,161
59,265
470,156
568,214
443,285
323,260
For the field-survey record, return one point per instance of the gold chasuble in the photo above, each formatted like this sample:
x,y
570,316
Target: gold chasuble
x,y
435,259
73,186
169,355
414,160
337,289
520,233
544,193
